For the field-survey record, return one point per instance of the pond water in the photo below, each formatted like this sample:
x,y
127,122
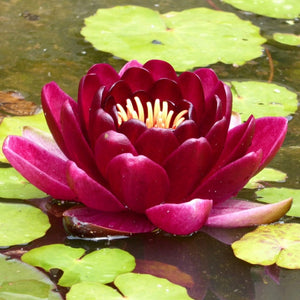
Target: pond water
x,y
41,42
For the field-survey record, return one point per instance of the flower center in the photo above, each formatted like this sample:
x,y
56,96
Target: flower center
x,y
157,116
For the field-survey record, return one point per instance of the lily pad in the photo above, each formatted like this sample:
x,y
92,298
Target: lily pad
x,y
283,9
132,286
287,38
21,281
273,195
266,174
99,266
14,126
21,224
14,186
262,99
186,39
270,244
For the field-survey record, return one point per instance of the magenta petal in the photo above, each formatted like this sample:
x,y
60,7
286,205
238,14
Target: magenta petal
x,y
186,166
160,69
53,97
89,222
137,181
130,64
106,74
184,218
109,145
238,213
269,136
228,181
186,130
42,168
133,128
138,79
157,144
121,91
90,192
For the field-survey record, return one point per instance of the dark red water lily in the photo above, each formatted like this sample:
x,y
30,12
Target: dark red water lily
x,y
146,148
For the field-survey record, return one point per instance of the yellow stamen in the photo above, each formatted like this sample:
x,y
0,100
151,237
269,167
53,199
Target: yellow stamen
x,y
140,108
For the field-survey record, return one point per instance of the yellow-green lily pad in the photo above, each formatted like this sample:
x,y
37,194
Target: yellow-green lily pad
x,y
14,126
14,186
266,174
283,9
273,195
132,286
21,281
287,39
262,99
270,244
21,224
186,39
98,266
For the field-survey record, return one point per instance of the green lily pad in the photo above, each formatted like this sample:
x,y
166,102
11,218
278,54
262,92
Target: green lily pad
x,y
14,126
14,186
287,39
262,99
270,244
21,224
99,266
266,174
283,9
21,281
132,286
273,195
186,39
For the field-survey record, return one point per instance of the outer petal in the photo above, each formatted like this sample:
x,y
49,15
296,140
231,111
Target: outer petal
x,y
157,144
160,69
106,73
186,166
227,181
183,219
269,136
137,181
90,192
238,213
42,168
130,64
90,222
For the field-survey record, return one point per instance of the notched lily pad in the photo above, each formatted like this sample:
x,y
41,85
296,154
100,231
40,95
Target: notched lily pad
x,y
186,39
21,281
14,186
287,39
132,286
270,244
98,266
266,174
283,9
273,195
262,99
21,224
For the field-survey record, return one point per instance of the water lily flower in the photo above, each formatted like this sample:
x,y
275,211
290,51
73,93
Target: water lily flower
x,y
145,148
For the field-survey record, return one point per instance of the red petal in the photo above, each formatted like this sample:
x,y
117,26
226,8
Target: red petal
x,y
106,73
186,130
160,69
133,129
121,91
89,222
130,64
137,181
186,166
238,213
90,192
157,144
42,168
183,219
138,79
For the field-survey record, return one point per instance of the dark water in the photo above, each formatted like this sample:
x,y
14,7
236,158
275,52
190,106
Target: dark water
x,y
41,42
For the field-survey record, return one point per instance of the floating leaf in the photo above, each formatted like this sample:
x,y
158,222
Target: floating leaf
x,y
186,39
14,126
273,195
287,38
270,244
262,99
13,185
21,281
99,266
283,9
21,224
266,174
132,286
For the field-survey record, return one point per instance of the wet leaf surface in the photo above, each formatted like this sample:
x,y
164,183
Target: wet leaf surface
x,y
287,39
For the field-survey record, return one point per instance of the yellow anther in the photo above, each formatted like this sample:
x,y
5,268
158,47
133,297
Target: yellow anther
x,y
140,108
